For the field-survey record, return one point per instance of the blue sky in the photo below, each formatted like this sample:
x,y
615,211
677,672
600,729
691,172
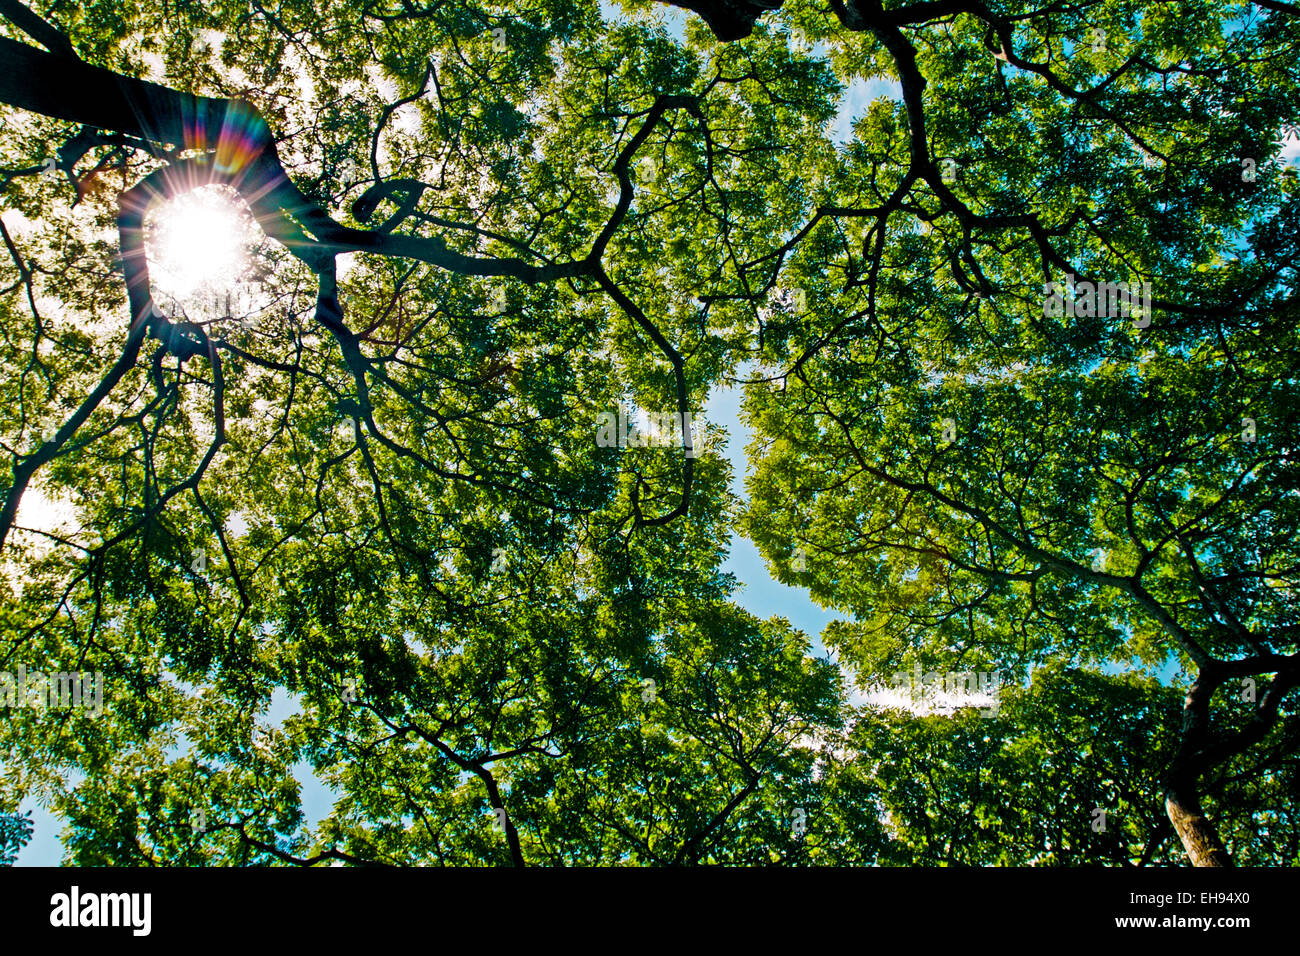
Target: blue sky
x,y
760,593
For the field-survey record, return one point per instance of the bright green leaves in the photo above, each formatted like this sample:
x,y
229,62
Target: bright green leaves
x,y
1065,774
411,525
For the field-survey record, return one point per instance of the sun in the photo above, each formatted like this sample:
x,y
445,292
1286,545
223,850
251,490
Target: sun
x,y
199,245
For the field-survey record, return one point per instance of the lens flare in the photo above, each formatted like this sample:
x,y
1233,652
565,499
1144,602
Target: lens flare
x,y
199,244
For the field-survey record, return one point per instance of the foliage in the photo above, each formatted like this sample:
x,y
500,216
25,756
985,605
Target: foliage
x,y
373,493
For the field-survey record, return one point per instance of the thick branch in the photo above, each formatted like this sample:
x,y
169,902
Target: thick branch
x,y
44,33
729,19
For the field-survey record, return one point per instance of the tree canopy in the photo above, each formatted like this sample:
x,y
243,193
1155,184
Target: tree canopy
x,y
1018,356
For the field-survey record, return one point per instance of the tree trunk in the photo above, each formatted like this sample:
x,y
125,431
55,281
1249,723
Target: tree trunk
x,y
1200,837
